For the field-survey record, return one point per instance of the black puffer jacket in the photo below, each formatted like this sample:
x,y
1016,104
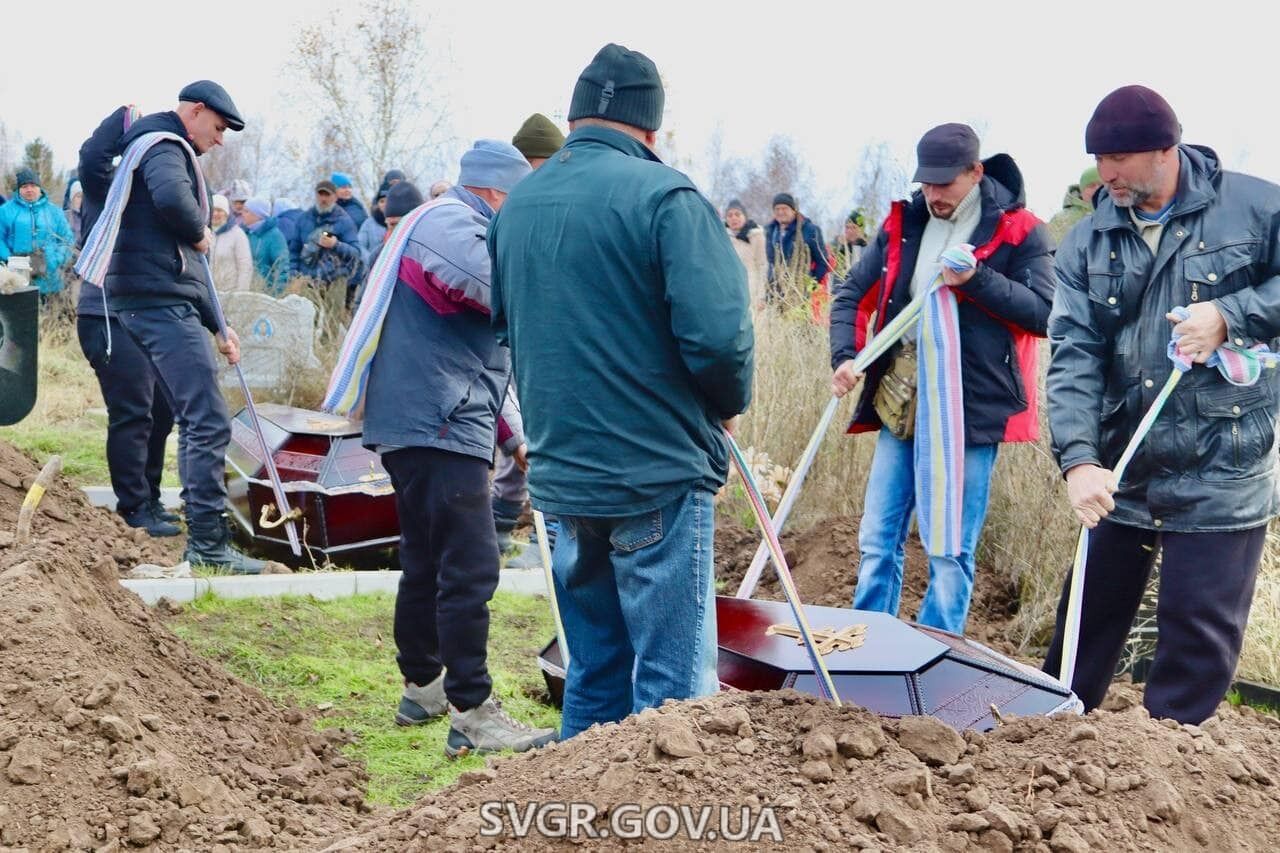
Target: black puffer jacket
x,y
1209,462
1013,289
155,262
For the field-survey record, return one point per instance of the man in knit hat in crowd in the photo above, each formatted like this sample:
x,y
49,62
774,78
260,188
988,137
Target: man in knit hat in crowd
x,y
1001,305
1170,229
238,194
537,139
852,240
790,232
1076,204
631,343
434,390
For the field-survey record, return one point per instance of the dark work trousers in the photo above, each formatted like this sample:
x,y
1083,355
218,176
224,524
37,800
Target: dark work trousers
x,y
138,417
1206,588
178,349
449,560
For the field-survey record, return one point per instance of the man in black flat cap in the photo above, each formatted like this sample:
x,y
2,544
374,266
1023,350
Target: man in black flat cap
x,y
1170,229
157,286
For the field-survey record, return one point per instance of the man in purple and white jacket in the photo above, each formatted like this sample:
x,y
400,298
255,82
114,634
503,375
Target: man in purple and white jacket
x,y
435,388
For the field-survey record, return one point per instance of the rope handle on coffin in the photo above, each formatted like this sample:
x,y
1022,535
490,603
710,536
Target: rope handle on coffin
x,y
264,518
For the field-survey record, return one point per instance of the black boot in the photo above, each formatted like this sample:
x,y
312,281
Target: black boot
x,y
146,518
209,544
157,508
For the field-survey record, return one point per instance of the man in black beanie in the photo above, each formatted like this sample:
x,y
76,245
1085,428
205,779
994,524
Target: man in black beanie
x,y
626,311
1171,229
791,231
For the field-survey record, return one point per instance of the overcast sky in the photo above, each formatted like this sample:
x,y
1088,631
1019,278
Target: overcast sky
x,y
834,76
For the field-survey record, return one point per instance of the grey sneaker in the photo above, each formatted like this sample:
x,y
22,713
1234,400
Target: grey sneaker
x,y
422,704
488,728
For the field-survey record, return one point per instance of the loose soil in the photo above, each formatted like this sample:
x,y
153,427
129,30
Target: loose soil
x,y
823,559
113,735
843,779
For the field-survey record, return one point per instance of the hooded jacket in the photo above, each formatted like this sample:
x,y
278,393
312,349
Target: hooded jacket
x,y
1209,461
230,258
1001,308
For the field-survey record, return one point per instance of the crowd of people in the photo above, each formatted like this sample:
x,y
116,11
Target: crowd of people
x,y
578,311
255,244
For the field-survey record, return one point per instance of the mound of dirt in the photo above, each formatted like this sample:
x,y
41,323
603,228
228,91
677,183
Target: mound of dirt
x,y
114,735
824,562
842,778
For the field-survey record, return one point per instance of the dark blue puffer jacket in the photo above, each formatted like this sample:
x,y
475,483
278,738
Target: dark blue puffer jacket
x,y
325,265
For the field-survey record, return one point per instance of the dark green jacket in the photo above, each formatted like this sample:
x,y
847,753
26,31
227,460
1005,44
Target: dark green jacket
x,y
627,315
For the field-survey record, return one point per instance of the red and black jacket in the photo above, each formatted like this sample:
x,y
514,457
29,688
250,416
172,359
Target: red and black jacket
x,y
1003,308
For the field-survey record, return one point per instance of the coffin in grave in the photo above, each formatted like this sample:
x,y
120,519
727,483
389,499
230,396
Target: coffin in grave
x,y
341,489
899,669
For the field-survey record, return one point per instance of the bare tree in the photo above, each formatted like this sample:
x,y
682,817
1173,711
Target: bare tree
x,y
8,151
38,157
878,180
258,154
374,85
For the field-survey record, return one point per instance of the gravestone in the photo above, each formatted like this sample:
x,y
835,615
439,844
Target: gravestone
x,y
276,337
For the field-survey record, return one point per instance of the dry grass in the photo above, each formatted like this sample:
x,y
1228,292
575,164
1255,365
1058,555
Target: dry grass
x,y
301,386
1260,660
68,418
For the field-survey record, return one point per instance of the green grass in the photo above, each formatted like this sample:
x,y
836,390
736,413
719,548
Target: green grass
x,y
309,652
1236,699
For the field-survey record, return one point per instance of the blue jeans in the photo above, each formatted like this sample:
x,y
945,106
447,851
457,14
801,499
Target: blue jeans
x,y
886,519
638,605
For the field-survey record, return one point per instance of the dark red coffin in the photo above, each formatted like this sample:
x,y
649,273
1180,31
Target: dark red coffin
x,y
900,669
345,495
